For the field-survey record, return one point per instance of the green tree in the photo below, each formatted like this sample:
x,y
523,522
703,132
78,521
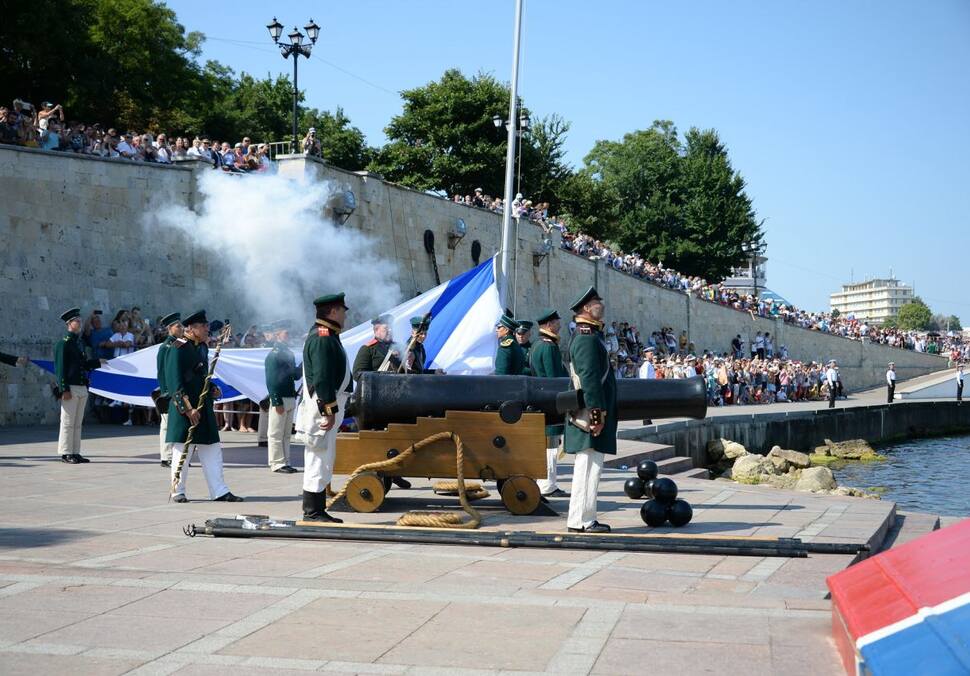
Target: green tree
x,y
445,139
343,145
914,316
681,203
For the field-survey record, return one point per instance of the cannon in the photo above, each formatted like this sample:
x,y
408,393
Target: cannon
x,y
500,419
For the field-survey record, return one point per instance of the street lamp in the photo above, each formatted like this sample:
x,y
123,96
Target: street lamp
x,y
754,249
522,128
296,48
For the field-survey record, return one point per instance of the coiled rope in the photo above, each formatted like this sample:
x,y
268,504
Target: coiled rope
x,y
424,518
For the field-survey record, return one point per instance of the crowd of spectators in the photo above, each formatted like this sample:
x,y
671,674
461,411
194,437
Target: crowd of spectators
x,y
537,213
48,128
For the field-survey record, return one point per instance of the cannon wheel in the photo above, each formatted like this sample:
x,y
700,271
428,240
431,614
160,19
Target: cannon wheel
x,y
520,495
365,492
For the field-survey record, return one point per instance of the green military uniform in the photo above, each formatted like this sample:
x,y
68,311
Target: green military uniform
x,y
164,395
525,327
281,377
186,369
417,356
71,373
546,362
590,365
590,372
281,373
327,383
510,358
371,356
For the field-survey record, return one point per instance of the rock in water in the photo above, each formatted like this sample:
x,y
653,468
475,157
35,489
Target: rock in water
x,y
815,479
751,466
800,460
853,449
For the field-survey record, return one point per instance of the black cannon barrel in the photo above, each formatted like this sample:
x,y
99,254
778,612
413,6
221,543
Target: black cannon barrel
x,y
382,398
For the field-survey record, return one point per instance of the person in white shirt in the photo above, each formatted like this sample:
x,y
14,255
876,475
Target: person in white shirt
x,y
647,369
123,342
960,382
759,346
832,380
891,383
125,148
196,150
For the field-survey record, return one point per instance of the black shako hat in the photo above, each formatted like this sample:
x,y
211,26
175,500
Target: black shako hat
x,y
173,318
585,298
73,313
547,316
197,317
507,321
330,299
524,326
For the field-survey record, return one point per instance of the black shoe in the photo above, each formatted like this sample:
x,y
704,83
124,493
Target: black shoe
x,y
70,459
595,527
262,444
180,498
285,469
165,463
228,497
315,508
79,458
323,517
558,493
401,483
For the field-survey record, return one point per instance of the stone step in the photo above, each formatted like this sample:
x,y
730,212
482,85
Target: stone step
x,y
629,452
909,526
695,473
675,466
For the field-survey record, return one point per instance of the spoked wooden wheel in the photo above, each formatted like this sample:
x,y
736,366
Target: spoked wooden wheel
x,y
365,492
520,495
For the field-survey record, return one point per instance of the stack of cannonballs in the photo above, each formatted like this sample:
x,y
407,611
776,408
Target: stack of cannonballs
x,y
664,505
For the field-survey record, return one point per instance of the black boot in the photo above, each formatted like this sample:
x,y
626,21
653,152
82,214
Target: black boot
x,y
315,506
69,458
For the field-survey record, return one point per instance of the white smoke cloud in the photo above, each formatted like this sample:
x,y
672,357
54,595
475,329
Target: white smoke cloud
x,y
271,234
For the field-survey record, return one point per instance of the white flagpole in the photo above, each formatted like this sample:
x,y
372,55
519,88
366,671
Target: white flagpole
x,y
510,164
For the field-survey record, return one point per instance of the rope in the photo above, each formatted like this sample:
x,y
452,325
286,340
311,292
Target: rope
x,y
421,518
472,491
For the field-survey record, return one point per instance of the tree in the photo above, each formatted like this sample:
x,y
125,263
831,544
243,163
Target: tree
x,y
445,139
914,316
945,323
342,144
680,203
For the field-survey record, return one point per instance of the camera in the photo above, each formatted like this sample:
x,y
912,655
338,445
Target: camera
x,y
29,107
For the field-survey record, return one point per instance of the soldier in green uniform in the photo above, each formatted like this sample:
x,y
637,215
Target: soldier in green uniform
x,y
378,354
12,359
281,377
546,362
186,368
71,373
590,432
173,323
509,359
327,385
523,336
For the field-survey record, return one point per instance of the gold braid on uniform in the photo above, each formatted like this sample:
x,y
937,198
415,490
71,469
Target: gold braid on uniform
x,y
420,518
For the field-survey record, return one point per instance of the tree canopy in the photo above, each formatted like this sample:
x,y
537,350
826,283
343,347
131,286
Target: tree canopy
x,y
914,316
678,202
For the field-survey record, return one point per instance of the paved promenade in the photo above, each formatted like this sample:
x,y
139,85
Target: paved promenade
x,y
97,577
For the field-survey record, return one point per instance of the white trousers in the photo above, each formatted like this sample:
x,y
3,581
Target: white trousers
x,y
585,486
262,423
210,455
280,426
164,448
318,457
548,485
72,416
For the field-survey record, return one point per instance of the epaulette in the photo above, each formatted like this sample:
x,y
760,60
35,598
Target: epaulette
x,y
66,338
585,329
507,342
323,331
372,343
179,342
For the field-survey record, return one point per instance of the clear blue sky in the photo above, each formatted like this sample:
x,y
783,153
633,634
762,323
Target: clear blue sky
x,y
849,120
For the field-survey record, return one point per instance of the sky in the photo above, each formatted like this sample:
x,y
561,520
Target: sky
x,y
850,121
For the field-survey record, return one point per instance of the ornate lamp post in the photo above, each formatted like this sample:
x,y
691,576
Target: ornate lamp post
x,y
521,128
296,48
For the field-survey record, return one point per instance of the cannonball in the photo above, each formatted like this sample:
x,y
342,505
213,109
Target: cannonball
x,y
679,513
635,488
664,490
653,513
647,470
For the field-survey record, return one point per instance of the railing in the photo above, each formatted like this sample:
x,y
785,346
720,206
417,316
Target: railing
x,y
279,148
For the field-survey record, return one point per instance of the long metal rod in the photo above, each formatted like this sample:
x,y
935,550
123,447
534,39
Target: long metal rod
x,y
296,98
510,163
526,539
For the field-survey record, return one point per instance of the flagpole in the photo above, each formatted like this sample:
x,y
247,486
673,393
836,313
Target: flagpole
x,y
510,164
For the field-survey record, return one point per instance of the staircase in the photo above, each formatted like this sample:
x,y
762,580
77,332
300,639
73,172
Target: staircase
x,y
629,452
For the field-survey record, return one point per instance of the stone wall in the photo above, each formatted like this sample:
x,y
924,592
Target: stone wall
x,y
71,234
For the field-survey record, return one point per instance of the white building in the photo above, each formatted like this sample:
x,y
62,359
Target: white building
x,y
749,279
873,300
